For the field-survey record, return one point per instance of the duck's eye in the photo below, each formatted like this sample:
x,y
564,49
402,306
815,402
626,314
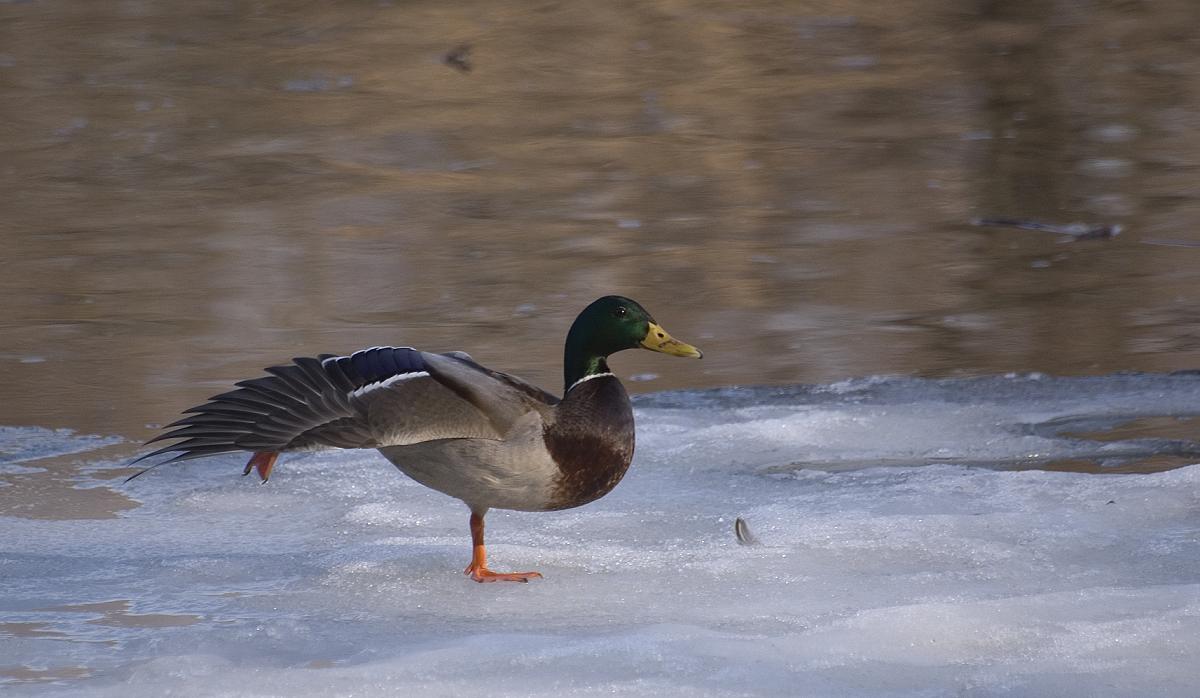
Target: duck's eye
x,y
620,311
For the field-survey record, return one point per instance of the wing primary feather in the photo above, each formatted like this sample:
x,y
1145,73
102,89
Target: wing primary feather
x,y
314,379
286,422
193,431
316,373
293,376
224,408
258,442
282,401
272,386
193,442
335,369
209,419
243,397
188,452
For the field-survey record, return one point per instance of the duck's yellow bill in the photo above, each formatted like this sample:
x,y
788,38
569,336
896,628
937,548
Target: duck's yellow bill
x,y
657,339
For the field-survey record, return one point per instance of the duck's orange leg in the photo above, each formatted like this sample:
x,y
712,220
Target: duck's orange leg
x,y
478,569
262,461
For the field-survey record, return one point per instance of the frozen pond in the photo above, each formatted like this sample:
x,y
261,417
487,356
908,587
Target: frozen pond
x,y
884,565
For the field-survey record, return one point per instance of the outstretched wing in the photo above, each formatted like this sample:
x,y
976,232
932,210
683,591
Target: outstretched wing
x,y
384,396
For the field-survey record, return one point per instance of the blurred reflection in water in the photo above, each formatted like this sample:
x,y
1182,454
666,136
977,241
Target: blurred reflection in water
x,y
194,190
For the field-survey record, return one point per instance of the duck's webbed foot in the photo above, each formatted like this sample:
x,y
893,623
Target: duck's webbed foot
x,y
483,574
262,461
478,569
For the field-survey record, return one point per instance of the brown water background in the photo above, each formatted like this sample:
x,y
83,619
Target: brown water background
x,y
193,190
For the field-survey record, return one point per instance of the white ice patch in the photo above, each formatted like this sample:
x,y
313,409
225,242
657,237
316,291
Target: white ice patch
x,y
342,577
23,444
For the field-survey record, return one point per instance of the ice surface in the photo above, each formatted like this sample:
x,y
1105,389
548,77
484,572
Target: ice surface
x,y
884,565
21,444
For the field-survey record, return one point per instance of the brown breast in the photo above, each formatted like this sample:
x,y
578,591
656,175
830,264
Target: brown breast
x,y
591,440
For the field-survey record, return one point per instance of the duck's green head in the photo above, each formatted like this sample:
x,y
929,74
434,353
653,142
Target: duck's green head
x,y
611,324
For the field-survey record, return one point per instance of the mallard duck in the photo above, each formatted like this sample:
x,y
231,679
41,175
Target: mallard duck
x,y
492,440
